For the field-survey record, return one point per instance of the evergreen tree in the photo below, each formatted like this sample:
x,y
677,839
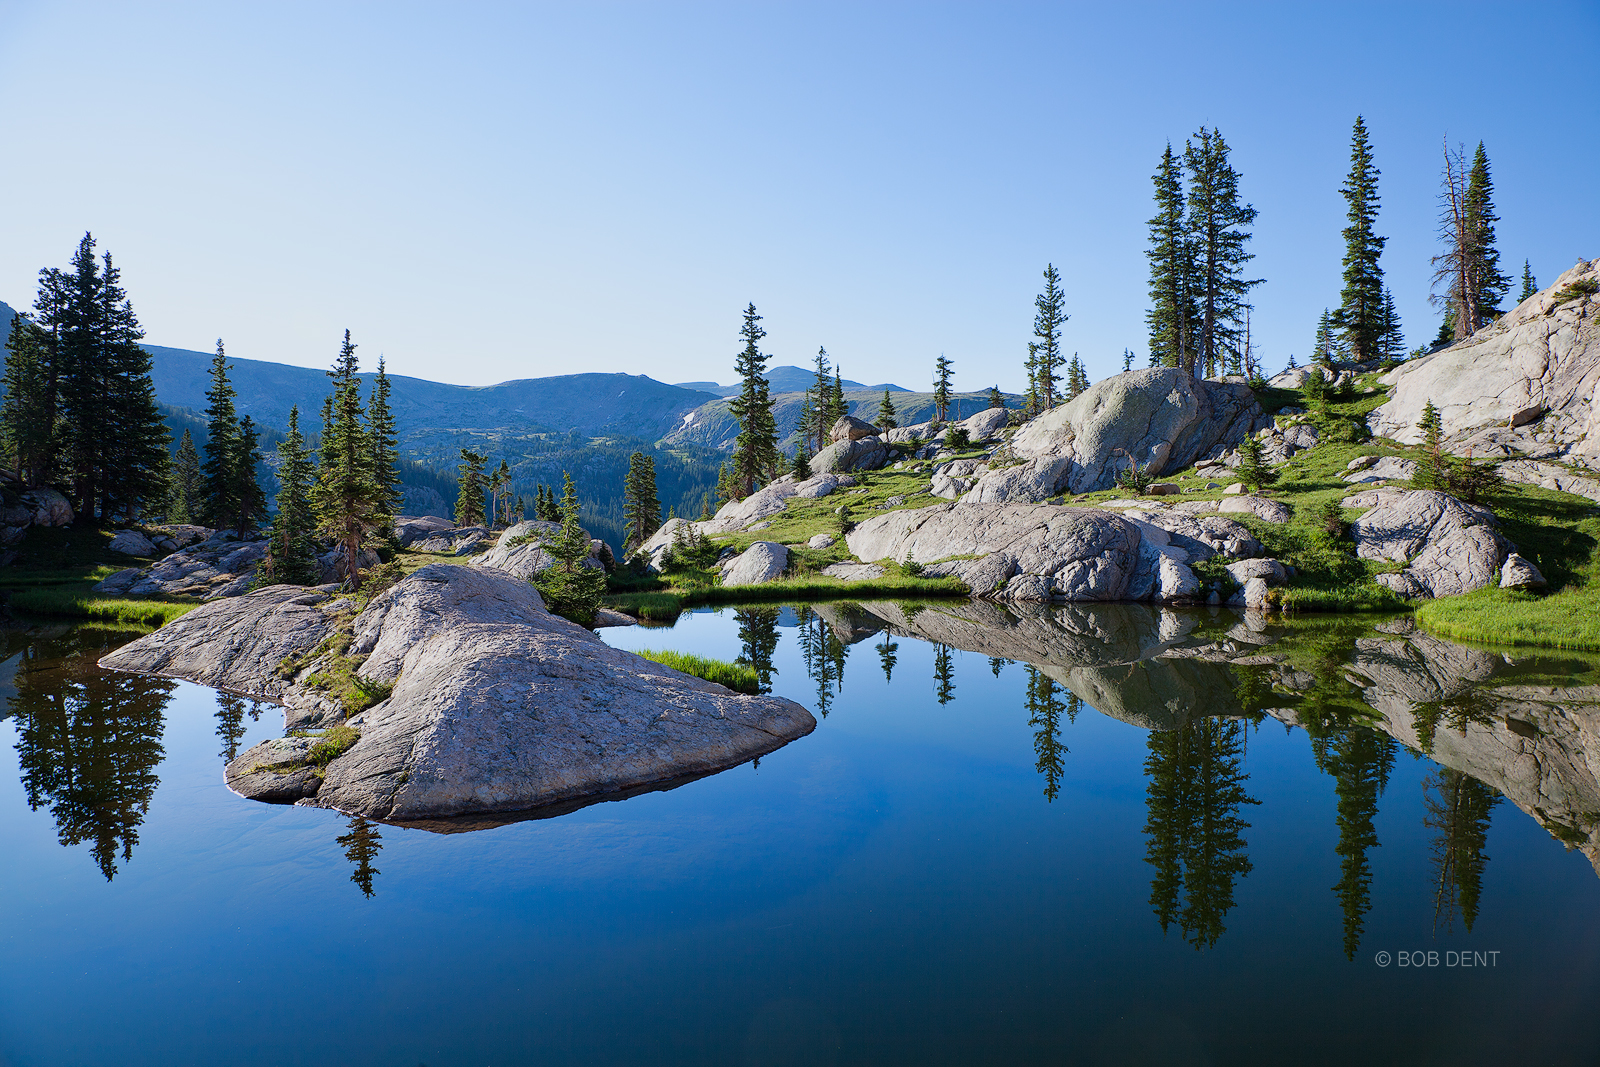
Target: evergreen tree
x,y
252,500
28,414
1171,317
346,498
291,551
886,413
571,589
1490,286
640,507
1529,286
187,495
1044,715
114,441
838,407
1254,471
385,455
1434,470
1049,316
996,398
1360,311
1326,346
1032,400
1391,339
755,450
500,495
1127,360
222,447
1217,236
817,427
941,388
802,466
470,488
1077,378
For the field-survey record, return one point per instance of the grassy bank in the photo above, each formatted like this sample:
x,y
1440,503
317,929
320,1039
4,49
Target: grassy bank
x,y
76,602
665,605
739,677
1566,619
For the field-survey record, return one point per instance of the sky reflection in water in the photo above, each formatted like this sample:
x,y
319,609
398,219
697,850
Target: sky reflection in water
x,y
966,862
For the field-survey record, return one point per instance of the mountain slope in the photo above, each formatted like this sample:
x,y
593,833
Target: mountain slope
x,y
712,426
785,379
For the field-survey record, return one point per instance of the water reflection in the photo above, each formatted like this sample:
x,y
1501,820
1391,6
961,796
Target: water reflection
x,y
361,845
758,640
944,674
1458,808
231,729
88,741
1044,715
824,655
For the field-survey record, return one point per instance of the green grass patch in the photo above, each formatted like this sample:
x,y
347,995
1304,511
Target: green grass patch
x,y
653,607
334,743
76,602
1566,619
739,677
827,589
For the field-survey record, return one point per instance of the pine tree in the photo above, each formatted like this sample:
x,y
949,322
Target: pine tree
x,y
1361,300
291,551
187,495
1049,316
802,469
222,447
816,429
1391,340
641,508
384,449
1254,471
500,495
571,589
997,399
1032,400
1171,317
1529,286
1217,236
27,417
1127,360
470,488
941,388
1434,470
114,441
1489,284
346,497
1456,267
252,501
838,407
755,450
1325,349
886,413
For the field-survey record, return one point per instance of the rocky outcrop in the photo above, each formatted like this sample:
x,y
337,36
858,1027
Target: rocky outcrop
x,y
769,500
1449,546
22,508
494,704
860,454
1164,419
1263,508
1373,469
850,428
132,543
986,424
522,552
1523,385
220,566
1550,476
456,541
952,479
412,528
763,561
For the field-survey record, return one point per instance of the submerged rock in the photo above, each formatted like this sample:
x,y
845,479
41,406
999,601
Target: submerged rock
x,y
494,705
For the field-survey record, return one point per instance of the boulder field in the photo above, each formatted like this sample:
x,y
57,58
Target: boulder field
x,y
493,704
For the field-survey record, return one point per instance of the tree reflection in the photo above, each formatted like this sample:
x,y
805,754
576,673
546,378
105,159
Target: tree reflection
x,y
1459,807
758,639
944,674
89,742
1455,713
361,845
1359,759
1044,715
824,655
230,722
1193,827
996,663
886,656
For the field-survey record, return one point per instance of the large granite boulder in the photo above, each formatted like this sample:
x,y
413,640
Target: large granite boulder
x,y
1449,546
1536,367
986,424
456,541
1162,418
763,561
771,499
841,457
850,428
220,566
48,506
412,528
1263,508
523,550
494,704
132,543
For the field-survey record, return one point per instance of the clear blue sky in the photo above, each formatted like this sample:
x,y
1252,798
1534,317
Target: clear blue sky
x,y
485,191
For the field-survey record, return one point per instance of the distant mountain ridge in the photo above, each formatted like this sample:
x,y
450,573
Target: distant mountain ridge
x,y
786,379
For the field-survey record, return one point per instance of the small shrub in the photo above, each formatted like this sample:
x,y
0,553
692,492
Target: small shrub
x,y
957,439
912,568
575,594
1254,471
844,523
1330,518
1135,477
1581,288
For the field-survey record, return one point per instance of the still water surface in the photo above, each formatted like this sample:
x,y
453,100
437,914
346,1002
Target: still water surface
x,y
965,863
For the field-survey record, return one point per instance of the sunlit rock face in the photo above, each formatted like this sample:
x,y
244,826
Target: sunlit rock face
x,y
494,704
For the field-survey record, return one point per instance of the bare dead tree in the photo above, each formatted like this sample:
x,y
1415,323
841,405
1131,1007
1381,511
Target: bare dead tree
x,y
1453,268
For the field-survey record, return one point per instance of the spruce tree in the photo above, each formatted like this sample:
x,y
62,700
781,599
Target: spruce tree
x,y
346,498
222,447
838,407
470,488
1049,316
252,501
571,589
291,550
187,496
500,495
1434,470
886,413
28,414
1127,360
997,399
641,508
1032,400
816,429
1490,286
941,388
1253,470
114,441
1217,237
384,449
1529,286
1325,349
755,450
1171,254
1360,311
1391,340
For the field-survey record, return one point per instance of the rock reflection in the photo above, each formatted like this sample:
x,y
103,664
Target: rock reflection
x,y
89,741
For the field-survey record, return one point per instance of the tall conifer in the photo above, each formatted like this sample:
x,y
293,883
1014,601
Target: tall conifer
x,y
252,501
1490,285
385,454
941,388
291,550
346,498
222,446
1217,237
1171,254
755,450
1360,314
1529,286
1049,316
27,417
886,413
641,508
187,496
470,488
